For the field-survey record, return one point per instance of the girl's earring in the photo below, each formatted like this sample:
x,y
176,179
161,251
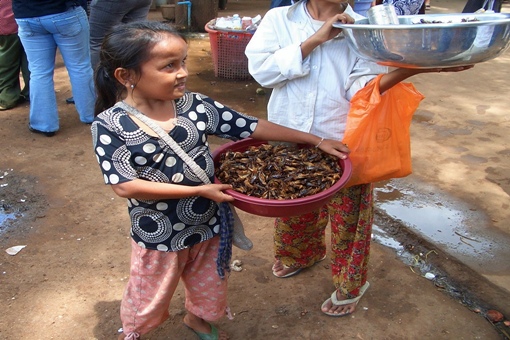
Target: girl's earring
x,y
132,86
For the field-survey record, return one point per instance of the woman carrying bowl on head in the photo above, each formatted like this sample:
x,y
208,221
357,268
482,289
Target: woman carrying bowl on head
x,y
298,53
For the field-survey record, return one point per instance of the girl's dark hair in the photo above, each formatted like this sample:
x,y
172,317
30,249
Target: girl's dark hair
x,y
127,46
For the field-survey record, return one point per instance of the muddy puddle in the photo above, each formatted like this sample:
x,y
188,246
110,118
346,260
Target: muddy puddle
x,y
18,200
448,222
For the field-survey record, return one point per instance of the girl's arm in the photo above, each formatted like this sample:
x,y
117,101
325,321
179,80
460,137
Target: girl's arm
x,y
273,132
147,190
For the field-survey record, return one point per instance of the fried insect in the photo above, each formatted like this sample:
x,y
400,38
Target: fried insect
x,y
278,171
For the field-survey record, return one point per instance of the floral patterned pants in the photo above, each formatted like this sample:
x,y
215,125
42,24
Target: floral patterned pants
x,y
300,240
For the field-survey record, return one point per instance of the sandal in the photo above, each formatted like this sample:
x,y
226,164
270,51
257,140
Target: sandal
x,y
336,302
295,272
214,335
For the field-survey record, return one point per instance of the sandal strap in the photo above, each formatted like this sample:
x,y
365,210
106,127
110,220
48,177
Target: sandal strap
x,y
337,302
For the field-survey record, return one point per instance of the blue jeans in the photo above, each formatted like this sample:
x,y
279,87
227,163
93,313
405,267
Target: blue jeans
x,y
104,14
40,36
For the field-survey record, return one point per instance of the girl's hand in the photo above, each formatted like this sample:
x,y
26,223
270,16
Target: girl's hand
x,y
335,148
215,192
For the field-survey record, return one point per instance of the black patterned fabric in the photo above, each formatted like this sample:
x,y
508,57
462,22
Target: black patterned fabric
x,y
406,7
126,152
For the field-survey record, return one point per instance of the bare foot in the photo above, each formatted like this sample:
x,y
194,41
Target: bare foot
x,y
200,325
329,307
280,270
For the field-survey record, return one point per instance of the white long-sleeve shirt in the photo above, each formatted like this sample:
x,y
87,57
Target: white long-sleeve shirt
x,y
313,94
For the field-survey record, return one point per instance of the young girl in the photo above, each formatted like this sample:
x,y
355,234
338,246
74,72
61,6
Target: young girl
x,y
314,73
174,217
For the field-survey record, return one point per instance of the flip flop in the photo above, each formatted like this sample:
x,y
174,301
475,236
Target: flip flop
x,y
337,302
297,271
214,335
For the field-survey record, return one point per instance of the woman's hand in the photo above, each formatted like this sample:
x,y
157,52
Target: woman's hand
x,y
335,148
325,33
328,31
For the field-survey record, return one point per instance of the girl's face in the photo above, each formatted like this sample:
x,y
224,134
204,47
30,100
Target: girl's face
x,y
163,77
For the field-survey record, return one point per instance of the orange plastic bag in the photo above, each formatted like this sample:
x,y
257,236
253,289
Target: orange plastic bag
x,y
377,132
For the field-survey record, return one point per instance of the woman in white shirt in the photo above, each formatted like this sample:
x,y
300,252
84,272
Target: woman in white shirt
x,y
313,73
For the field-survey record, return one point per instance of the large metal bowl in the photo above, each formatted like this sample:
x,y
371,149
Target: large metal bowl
x,y
412,44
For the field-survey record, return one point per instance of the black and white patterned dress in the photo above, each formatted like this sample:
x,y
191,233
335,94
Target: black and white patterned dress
x,y
126,152
406,7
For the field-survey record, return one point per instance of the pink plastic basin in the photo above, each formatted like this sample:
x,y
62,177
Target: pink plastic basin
x,y
279,208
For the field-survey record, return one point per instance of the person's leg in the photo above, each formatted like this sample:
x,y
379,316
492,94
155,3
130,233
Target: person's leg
x,y
154,276
206,292
138,10
71,33
104,14
25,73
10,61
351,213
41,51
299,241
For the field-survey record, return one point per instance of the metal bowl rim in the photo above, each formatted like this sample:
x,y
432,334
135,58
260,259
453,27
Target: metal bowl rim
x,y
498,19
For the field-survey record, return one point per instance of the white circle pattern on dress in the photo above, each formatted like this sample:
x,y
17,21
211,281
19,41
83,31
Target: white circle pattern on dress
x,y
162,247
100,151
140,160
241,122
227,115
225,128
170,161
106,165
105,139
149,148
177,178
162,206
201,126
113,178
179,226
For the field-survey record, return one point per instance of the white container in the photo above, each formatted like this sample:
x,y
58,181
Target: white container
x,y
384,14
237,24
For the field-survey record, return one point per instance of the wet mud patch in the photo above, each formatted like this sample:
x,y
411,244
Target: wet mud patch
x,y
19,202
499,176
445,272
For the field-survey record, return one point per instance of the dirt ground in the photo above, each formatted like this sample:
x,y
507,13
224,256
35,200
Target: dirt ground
x,y
68,281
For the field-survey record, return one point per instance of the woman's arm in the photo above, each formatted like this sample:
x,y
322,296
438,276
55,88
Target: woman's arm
x,y
396,76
